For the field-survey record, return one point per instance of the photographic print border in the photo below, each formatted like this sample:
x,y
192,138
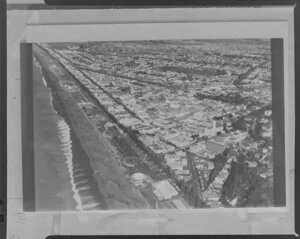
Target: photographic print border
x,y
164,221
159,32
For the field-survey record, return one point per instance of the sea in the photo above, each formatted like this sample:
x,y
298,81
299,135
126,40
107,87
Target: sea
x,y
63,178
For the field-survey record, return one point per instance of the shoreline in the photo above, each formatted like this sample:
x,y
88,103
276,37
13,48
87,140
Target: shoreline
x,y
114,189
52,189
79,159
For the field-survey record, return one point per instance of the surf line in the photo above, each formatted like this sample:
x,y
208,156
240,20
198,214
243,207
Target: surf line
x,y
64,135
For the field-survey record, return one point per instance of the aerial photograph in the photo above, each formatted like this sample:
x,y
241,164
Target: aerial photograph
x,y
168,124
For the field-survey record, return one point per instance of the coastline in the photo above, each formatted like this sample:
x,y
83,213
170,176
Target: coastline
x,y
108,184
82,175
52,187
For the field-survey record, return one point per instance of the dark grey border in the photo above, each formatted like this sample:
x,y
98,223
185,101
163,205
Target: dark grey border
x,y
27,127
278,122
3,125
135,4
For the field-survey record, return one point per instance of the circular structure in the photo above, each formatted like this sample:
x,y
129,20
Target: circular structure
x,y
140,179
108,125
129,161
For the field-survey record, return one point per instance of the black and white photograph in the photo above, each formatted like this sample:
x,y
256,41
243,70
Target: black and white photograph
x,y
167,121
165,124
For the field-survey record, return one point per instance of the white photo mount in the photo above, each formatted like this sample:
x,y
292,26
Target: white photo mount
x,y
152,24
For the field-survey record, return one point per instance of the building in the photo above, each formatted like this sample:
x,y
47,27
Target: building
x,y
183,172
198,116
164,124
171,134
268,113
167,147
115,108
200,146
208,153
210,165
156,148
145,129
148,140
70,88
148,130
121,115
140,179
252,164
218,125
215,146
129,121
164,190
181,141
176,161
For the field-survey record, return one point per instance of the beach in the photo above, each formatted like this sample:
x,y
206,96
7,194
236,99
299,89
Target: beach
x,y
53,190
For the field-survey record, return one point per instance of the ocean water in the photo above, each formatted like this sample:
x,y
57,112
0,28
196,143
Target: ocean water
x,y
60,158
63,131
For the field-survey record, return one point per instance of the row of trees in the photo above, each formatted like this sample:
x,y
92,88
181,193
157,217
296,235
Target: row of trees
x,y
232,98
219,162
190,191
208,72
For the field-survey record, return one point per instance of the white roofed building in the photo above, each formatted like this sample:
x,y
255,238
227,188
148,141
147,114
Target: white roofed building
x,y
164,190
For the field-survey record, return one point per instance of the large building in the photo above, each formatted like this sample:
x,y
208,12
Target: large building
x,y
164,190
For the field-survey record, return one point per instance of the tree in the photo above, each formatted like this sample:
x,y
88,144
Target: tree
x,y
130,64
126,89
193,196
257,130
205,137
224,128
226,152
181,184
134,131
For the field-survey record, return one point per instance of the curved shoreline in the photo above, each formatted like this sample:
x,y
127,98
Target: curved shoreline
x,y
78,160
53,187
63,132
82,184
113,189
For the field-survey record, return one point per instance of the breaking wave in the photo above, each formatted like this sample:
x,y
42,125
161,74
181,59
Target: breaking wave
x,y
84,188
64,135
63,131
